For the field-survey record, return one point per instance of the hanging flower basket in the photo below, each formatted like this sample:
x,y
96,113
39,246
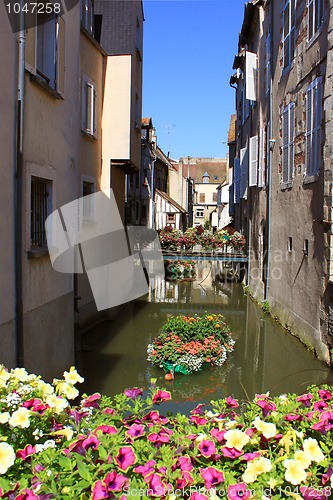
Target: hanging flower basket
x,y
188,344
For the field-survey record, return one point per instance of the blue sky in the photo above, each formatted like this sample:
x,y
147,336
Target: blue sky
x,y
189,48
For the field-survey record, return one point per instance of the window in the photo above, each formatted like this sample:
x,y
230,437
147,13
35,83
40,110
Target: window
x,y
171,217
40,208
290,244
202,198
88,106
214,197
199,212
289,32
315,16
87,15
137,112
313,127
288,128
88,188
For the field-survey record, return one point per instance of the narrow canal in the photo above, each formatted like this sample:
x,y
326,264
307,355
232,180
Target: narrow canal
x,y
265,356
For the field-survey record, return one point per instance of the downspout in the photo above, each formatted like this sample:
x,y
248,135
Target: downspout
x,y
152,193
270,155
19,194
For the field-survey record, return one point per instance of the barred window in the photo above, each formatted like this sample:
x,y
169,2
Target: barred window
x,y
41,191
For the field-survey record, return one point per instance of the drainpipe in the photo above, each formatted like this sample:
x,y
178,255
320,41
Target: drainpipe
x,y
270,155
19,194
152,193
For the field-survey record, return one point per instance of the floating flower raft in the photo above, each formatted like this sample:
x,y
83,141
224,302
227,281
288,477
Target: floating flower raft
x,y
187,344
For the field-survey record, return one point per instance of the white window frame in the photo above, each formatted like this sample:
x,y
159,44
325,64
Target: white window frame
x,y
88,105
313,130
244,172
315,17
88,201
289,32
288,135
201,211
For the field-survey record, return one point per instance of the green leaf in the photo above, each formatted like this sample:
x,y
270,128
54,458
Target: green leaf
x,y
84,471
65,463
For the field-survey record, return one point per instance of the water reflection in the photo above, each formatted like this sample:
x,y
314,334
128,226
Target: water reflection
x,y
265,358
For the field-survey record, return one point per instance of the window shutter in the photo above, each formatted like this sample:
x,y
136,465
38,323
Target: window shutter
x,y
243,173
309,121
262,151
60,48
237,179
285,141
317,125
250,73
291,141
89,98
253,163
30,49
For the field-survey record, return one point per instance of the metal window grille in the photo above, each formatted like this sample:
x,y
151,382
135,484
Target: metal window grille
x,y
39,211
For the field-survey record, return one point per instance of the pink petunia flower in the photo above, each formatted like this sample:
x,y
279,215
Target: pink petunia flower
x,y
218,435
266,406
320,405
145,469
251,456
90,442
185,464
198,496
156,487
327,475
161,396
185,480
231,402
212,477
133,393
290,417
305,399
198,420
125,457
136,430
115,481
155,417
231,453
238,492
28,451
325,423
27,495
207,448
325,394
92,401
198,409
99,491
108,411
106,429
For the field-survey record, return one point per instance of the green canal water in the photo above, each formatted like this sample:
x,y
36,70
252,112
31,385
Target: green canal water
x,y
265,356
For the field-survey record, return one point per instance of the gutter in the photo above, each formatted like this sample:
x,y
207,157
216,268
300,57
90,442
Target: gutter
x,y
19,194
270,156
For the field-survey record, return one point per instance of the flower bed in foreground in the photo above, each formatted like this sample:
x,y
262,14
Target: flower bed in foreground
x,y
269,448
188,344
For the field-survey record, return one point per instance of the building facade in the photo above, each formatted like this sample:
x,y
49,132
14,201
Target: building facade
x,y
282,167
58,98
